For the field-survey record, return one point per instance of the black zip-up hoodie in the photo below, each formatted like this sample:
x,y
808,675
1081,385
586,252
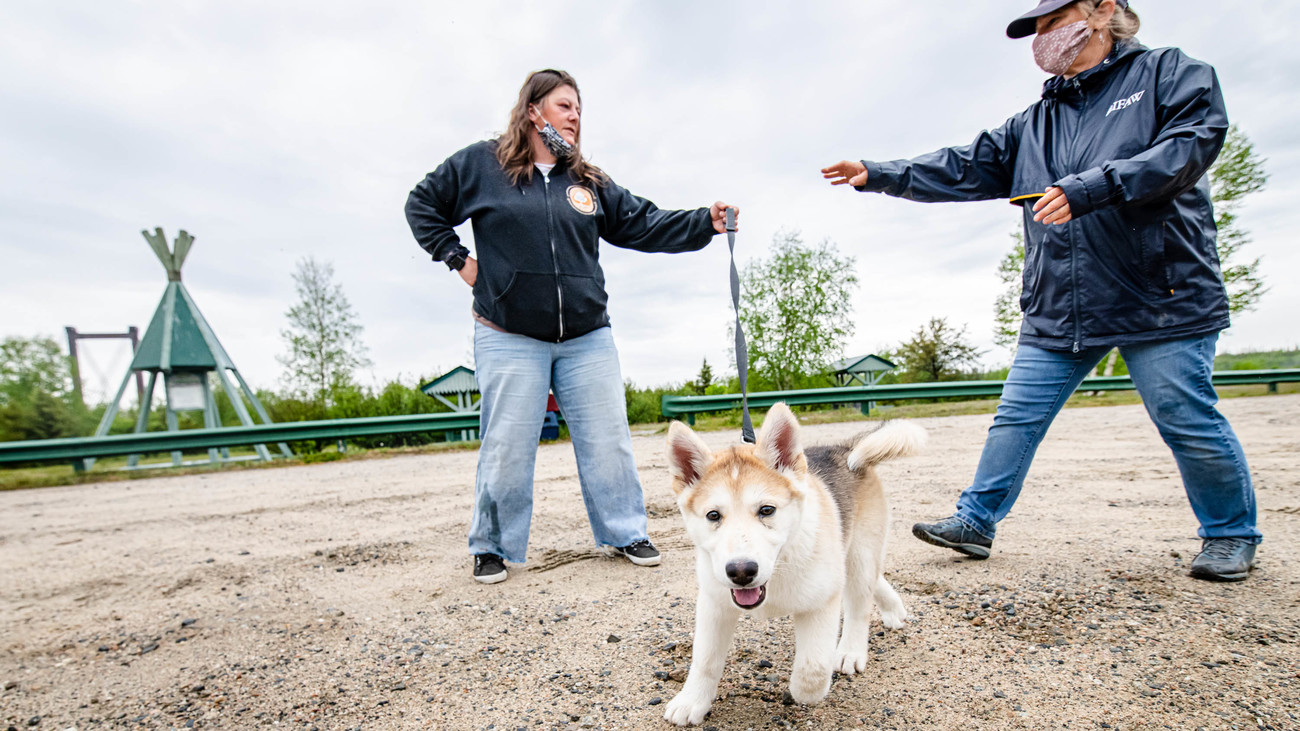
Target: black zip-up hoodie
x,y
1129,141
537,242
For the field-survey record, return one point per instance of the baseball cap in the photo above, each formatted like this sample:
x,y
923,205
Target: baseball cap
x,y
1026,24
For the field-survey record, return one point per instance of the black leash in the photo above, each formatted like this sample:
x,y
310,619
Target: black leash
x,y
742,351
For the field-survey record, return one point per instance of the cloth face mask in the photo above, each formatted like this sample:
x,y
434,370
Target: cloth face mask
x,y
1055,50
553,140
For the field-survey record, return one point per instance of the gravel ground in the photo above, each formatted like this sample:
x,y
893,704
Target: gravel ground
x,y
338,596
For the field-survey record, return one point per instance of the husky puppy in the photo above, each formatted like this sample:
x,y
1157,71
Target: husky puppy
x,y
783,531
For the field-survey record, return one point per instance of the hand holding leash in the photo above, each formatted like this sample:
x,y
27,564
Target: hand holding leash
x,y
718,212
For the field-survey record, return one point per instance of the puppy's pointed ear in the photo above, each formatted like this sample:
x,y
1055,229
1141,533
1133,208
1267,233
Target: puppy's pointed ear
x,y
778,441
688,456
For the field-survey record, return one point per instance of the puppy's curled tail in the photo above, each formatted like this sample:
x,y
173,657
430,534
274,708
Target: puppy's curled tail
x,y
892,440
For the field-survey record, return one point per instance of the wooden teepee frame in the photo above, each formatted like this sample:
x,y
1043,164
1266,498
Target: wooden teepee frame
x,y
181,346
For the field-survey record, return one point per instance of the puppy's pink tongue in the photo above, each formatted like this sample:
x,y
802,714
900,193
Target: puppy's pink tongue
x,y
747,597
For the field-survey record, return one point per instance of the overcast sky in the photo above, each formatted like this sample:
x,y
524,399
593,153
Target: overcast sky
x,y
275,131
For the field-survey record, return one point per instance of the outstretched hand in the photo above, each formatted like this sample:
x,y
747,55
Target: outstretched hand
x,y
1052,208
846,172
718,212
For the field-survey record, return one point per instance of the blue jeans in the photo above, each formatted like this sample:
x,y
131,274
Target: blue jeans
x,y
1173,379
515,373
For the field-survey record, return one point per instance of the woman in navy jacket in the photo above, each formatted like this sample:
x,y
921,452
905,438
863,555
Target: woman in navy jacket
x,y
538,211
1110,169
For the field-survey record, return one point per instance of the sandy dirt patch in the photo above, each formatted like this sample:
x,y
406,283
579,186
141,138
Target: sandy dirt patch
x,y
338,596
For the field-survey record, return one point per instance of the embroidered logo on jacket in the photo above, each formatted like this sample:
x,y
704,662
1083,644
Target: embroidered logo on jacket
x,y
581,199
1121,103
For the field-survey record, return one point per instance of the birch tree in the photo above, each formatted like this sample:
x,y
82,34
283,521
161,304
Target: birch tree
x,y
323,339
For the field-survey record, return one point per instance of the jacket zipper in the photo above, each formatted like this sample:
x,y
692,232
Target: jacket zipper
x,y
555,259
1074,254
1074,289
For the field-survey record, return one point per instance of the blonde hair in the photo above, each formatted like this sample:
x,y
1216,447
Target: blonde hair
x,y
1124,24
514,146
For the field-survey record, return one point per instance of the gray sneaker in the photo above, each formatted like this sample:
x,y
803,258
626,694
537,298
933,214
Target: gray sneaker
x,y
1224,559
954,534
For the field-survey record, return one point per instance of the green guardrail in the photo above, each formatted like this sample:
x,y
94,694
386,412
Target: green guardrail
x,y
71,450
62,450
688,406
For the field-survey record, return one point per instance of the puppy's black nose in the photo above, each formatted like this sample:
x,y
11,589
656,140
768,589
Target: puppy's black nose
x,y
742,572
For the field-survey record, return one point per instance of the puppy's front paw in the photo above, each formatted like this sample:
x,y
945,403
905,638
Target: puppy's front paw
x,y
687,709
848,662
893,620
810,687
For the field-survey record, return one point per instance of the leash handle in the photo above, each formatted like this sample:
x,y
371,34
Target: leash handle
x,y
742,350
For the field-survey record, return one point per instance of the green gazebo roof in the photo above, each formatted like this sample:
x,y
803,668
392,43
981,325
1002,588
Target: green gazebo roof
x,y
457,380
862,364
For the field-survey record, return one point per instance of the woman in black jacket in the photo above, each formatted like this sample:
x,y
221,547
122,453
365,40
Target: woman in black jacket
x,y
1110,169
538,211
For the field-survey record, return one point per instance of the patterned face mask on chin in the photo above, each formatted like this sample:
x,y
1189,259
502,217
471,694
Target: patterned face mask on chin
x,y
1055,50
553,140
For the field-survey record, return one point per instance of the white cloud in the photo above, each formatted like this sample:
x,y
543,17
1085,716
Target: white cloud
x,y
273,132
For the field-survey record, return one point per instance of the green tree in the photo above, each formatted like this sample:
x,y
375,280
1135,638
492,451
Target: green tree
x,y
1006,308
41,416
34,364
323,337
936,352
36,397
795,309
1237,173
703,380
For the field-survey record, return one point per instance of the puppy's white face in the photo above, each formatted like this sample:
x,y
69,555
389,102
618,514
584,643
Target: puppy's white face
x,y
741,506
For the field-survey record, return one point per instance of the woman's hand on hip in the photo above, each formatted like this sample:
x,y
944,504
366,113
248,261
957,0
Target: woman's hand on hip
x,y
846,172
1052,208
718,212
469,272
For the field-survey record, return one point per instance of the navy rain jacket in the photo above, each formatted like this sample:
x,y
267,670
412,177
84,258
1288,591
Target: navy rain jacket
x,y
1129,141
538,242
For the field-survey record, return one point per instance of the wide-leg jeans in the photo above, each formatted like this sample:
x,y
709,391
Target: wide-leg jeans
x,y
1173,379
514,373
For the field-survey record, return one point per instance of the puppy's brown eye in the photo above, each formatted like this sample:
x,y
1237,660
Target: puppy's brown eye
x,y
766,511
713,515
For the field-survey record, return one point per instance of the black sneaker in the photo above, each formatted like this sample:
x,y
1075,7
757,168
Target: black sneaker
x,y
489,568
1224,559
641,553
954,534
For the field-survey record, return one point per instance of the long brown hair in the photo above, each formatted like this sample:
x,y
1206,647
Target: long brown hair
x,y
514,146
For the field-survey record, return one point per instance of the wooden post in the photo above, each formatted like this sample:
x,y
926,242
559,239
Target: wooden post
x,y
75,364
